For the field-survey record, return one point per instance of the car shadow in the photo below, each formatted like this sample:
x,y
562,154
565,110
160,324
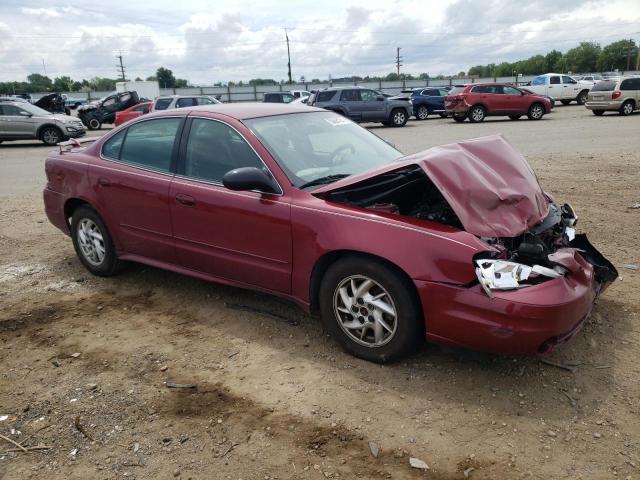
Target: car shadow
x,y
503,385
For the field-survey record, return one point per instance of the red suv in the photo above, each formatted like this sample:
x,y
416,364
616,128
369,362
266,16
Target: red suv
x,y
477,100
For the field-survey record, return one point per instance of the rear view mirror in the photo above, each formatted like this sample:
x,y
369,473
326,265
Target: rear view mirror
x,y
250,178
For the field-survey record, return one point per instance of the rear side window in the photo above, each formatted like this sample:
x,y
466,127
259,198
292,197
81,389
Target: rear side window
x,y
150,144
111,148
350,96
554,80
325,96
162,103
204,101
630,84
186,102
538,81
604,86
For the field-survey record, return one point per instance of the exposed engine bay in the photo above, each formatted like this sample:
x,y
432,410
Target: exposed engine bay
x,y
546,251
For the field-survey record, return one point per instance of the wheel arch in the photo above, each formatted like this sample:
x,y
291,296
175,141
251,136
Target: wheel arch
x,y
329,258
48,125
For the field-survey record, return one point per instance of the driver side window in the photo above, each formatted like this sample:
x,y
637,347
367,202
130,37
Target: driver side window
x,y
213,149
368,96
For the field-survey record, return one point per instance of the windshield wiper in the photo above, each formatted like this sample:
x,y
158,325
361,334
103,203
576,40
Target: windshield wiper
x,y
324,180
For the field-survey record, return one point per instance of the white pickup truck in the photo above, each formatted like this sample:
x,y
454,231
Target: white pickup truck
x,y
560,87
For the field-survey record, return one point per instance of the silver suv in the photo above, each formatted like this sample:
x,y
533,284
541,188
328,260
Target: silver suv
x,y
180,101
621,95
20,120
364,105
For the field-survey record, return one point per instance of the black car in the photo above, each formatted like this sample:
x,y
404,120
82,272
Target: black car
x,y
53,103
104,110
278,97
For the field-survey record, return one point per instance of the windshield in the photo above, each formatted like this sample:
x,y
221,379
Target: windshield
x,y
320,147
604,86
32,109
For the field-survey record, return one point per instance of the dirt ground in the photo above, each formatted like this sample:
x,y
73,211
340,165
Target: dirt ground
x,y
87,364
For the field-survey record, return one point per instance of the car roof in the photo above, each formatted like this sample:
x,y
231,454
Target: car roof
x,y
247,110
184,96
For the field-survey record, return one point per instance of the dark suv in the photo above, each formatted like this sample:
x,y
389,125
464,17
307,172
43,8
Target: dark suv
x,y
364,105
104,110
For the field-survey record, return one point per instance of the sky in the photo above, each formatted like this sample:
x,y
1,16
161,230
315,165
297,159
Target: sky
x,y
207,42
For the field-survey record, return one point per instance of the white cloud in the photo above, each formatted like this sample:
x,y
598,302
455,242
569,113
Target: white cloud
x,y
42,12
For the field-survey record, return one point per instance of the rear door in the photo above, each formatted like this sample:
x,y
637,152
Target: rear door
x,y
239,236
131,180
554,88
350,101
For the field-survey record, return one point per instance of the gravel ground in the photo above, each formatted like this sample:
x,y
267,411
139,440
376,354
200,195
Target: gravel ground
x,y
86,362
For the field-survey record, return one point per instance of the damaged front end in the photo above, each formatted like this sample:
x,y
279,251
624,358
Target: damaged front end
x,y
550,250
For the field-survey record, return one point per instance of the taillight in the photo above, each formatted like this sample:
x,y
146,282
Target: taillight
x,y
615,95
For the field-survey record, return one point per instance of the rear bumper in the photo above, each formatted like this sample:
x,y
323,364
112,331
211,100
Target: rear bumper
x,y
603,105
54,208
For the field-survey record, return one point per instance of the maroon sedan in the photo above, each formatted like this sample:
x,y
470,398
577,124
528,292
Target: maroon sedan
x,y
476,101
457,244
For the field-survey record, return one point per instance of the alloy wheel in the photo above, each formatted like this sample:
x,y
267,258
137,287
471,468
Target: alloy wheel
x,y
477,114
627,108
398,118
423,112
50,136
91,242
365,311
536,112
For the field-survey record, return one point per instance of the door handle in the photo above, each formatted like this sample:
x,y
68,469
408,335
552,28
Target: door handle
x,y
186,200
103,182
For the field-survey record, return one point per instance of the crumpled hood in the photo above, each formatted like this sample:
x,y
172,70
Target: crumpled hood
x,y
488,184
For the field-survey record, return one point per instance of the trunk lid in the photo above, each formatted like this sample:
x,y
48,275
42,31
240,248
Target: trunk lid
x,y
487,183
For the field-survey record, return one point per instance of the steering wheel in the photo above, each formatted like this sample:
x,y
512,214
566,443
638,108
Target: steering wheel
x,y
336,155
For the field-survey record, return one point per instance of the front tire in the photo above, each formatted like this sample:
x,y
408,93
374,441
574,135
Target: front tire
x,y
51,136
93,243
477,114
565,102
398,118
371,309
536,112
582,97
93,124
459,118
422,113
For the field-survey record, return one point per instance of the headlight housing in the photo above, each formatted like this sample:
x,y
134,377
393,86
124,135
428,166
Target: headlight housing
x,y
505,275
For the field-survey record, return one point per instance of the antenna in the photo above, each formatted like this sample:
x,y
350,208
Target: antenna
x,y
121,67
398,59
288,56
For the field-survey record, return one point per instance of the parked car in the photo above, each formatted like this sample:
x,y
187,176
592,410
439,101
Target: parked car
x,y
364,105
427,101
299,100
74,103
278,97
300,93
104,110
132,112
19,120
621,96
305,204
53,103
560,87
170,102
13,98
476,101
529,92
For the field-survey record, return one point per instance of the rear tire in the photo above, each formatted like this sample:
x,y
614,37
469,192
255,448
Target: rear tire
x,y
422,113
459,118
598,113
536,111
398,118
400,310
93,243
51,136
627,108
477,114
94,124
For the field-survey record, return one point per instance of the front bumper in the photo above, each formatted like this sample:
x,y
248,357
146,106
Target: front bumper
x,y
529,321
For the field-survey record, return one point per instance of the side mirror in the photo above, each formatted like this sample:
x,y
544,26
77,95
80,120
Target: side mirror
x,y
250,178
380,98
25,114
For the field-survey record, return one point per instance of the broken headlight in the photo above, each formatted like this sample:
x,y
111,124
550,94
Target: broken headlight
x,y
505,275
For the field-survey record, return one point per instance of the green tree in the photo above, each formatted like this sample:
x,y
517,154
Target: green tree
x,y
181,83
62,84
392,77
553,61
165,78
614,56
504,69
583,58
39,83
152,78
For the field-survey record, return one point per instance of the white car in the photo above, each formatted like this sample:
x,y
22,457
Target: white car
x,y
300,93
560,87
169,102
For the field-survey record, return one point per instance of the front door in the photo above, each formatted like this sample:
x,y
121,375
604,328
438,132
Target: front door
x,y
16,122
514,101
373,110
351,103
240,236
131,180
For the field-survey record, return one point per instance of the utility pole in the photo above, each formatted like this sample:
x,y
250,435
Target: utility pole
x,y
398,60
629,58
288,56
44,67
121,67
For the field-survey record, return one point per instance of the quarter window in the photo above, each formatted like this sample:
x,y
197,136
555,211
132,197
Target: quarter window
x,y
204,101
538,81
162,103
150,144
214,148
111,148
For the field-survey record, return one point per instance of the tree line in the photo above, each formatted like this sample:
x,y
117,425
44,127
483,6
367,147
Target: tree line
x,y
587,57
